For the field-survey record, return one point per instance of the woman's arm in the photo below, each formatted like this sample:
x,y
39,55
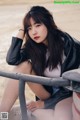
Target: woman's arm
x,y
15,54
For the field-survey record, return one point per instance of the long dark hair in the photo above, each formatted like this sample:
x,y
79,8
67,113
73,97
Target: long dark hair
x,y
37,52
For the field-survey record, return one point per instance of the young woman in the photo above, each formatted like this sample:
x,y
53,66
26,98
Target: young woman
x,y
47,51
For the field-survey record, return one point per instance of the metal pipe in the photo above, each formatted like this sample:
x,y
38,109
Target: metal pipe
x,y
36,79
22,100
31,78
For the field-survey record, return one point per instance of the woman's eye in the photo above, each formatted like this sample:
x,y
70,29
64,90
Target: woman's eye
x,y
29,28
37,25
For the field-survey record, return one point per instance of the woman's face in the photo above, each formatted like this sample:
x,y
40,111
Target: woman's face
x,y
37,32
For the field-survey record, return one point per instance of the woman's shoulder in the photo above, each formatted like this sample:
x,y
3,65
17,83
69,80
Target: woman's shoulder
x,y
70,37
70,40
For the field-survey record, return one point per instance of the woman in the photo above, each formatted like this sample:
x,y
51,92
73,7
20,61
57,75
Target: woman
x,y
48,52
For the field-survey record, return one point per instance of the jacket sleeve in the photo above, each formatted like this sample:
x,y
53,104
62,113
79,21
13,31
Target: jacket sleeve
x,y
15,54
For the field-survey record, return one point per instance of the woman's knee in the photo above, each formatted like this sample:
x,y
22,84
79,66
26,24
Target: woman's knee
x,y
25,67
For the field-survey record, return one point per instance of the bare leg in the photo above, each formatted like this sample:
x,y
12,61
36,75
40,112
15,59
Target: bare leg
x,y
63,110
11,92
10,96
76,106
38,89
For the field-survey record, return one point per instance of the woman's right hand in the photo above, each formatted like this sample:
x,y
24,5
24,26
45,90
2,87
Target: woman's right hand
x,y
33,105
21,32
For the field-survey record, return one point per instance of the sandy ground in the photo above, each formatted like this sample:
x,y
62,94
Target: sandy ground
x,y
67,17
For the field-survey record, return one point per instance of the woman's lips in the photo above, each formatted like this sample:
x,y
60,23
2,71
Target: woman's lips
x,y
37,37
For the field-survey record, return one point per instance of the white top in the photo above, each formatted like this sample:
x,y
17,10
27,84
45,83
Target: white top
x,y
53,73
56,71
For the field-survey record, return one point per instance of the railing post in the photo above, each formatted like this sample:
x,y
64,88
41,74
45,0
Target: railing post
x,y
22,100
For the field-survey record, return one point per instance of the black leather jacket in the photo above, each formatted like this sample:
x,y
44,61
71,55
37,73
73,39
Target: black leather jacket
x,y
72,53
71,50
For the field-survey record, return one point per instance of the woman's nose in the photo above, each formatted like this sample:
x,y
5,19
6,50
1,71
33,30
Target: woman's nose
x,y
34,31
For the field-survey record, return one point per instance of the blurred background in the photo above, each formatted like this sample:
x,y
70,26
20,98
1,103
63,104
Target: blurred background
x,y
67,18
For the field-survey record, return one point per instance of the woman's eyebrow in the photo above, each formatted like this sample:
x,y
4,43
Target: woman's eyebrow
x,y
33,24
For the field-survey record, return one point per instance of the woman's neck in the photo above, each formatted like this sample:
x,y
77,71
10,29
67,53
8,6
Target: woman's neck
x,y
45,42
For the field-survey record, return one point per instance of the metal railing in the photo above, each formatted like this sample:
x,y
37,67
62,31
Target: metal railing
x,y
61,81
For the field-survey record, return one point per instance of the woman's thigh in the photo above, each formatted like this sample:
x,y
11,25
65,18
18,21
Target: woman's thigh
x,y
25,67
63,110
76,106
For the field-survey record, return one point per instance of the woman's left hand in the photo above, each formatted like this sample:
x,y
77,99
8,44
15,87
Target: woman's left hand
x,y
33,105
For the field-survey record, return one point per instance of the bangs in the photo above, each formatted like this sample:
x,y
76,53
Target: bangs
x,y
35,16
